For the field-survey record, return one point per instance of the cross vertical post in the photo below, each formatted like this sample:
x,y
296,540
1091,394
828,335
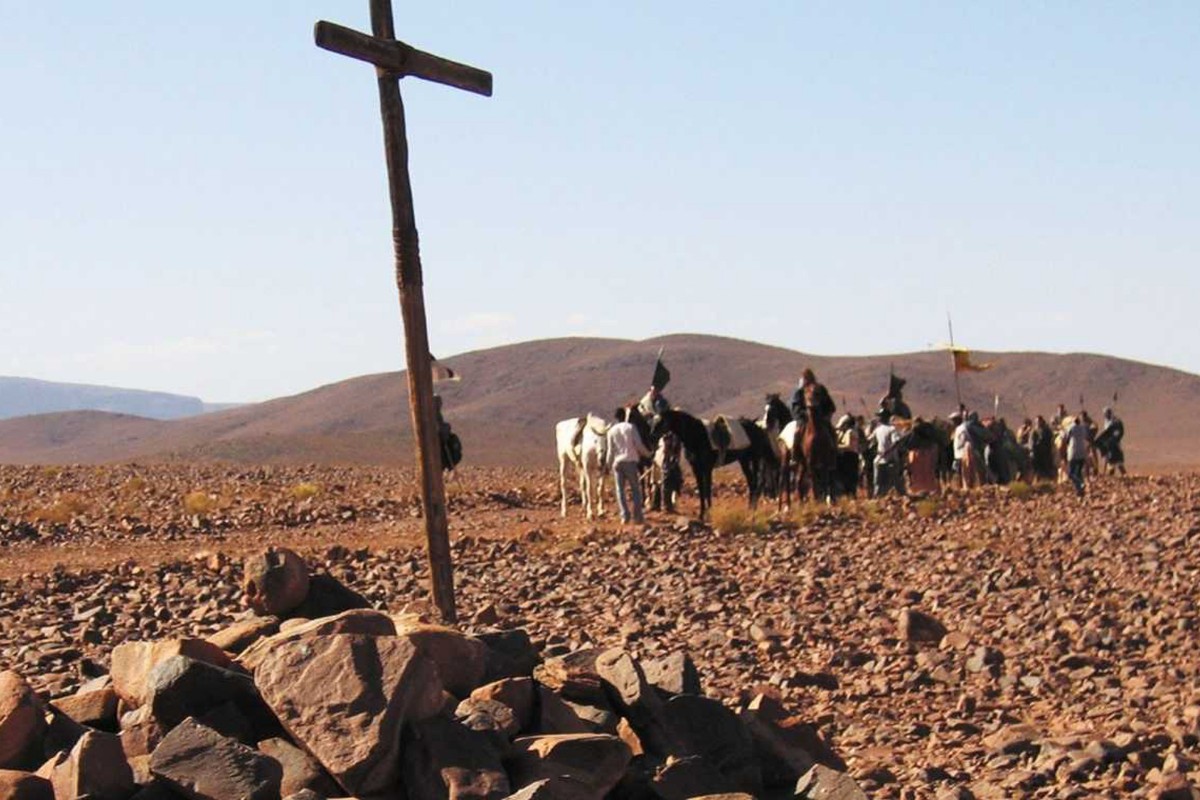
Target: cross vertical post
x,y
393,60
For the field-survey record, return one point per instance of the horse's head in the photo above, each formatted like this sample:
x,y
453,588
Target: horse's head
x,y
776,413
644,428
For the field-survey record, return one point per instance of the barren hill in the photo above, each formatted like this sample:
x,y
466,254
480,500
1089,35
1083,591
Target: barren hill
x,y
506,406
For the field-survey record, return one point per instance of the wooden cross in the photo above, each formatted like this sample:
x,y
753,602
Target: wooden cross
x,y
394,60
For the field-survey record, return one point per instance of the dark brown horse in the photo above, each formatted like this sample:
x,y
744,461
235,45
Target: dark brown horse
x,y
703,458
818,446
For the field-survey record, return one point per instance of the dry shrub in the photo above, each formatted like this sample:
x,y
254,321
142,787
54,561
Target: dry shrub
x,y
198,503
65,509
736,520
927,507
303,491
1019,490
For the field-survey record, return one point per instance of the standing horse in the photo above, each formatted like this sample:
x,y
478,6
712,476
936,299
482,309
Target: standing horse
x,y
583,443
780,428
819,446
703,457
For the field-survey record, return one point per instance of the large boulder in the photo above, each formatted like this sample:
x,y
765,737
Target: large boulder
x,y
132,663
22,723
275,581
363,621
95,767
96,709
204,765
636,700
182,687
595,760
444,759
345,698
787,746
511,654
17,785
705,728
461,659
300,770
673,674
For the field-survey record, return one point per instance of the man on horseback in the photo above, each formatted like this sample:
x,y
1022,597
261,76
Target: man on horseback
x,y
812,398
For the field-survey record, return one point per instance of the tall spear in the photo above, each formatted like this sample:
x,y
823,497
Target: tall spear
x,y
953,363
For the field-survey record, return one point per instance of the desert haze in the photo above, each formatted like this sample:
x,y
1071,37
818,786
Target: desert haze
x,y
506,406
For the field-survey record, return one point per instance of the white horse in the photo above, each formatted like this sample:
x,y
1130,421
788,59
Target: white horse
x,y
583,443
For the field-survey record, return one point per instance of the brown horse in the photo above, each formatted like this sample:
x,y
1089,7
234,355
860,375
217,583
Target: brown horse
x,y
818,445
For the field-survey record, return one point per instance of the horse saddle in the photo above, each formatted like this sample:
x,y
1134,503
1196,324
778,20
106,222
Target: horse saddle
x,y
726,433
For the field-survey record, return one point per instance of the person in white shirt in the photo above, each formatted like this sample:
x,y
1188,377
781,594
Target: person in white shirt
x,y
1077,453
887,455
625,448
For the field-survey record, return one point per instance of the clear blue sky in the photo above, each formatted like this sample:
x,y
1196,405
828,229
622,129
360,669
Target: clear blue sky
x,y
194,195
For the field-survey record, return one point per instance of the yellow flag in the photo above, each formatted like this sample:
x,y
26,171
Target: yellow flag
x,y
962,361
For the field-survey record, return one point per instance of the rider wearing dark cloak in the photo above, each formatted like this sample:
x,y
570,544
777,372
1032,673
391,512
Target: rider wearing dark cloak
x,y
810,395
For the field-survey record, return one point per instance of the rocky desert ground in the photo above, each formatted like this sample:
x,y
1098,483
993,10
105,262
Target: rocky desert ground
x,y
1015,642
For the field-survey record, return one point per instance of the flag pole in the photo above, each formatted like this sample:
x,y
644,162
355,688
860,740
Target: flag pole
x,y
953,363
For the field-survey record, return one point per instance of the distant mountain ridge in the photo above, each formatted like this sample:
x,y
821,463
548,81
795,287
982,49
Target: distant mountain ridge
x,y
24,396
509,398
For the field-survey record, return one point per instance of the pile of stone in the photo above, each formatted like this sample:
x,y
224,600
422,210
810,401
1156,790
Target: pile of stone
x,y
361,703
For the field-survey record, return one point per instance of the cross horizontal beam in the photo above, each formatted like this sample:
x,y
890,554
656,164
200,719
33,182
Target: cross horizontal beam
x,y
401,59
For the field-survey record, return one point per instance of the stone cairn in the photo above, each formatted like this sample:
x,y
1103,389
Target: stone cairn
x,y
320,696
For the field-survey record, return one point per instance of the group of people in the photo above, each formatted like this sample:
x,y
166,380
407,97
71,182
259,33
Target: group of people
x,y
979,451
895,451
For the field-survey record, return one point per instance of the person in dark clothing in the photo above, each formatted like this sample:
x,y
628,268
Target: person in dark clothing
x,y
1041,449
1108,441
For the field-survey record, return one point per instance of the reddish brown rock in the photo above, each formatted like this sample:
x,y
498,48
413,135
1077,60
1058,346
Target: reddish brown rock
x,y
636,700
596,760
573,677
786,745
132,663
510,654
823,783
16,785
22,722
364,621
96,709
274,581
673,674
917,626
444,759
487,715
300,770
95,767
461,659
705,728
140,732
204,765
345,698
516,693
240,635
